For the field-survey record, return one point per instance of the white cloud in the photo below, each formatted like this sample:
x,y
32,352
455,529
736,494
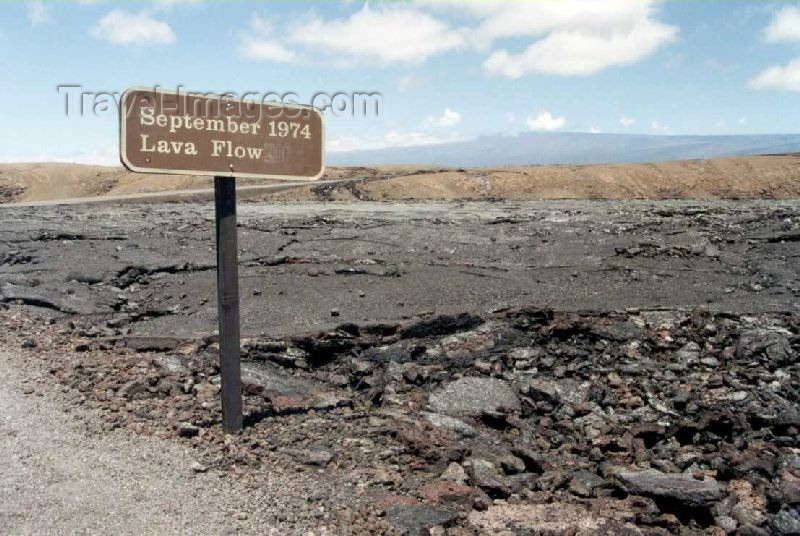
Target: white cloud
x,y
785,25
262,49
570,37
781,77
582,52
545,121
409,81
37,13
385,34
260,44
169,5
125,28
626,121
742,120
391,139
658,127
449,118
106,156
498,19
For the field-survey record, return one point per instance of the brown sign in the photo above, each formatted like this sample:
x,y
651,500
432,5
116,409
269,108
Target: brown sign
x,y
169,132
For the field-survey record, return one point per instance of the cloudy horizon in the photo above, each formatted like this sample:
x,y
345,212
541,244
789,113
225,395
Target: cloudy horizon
x,y
448,71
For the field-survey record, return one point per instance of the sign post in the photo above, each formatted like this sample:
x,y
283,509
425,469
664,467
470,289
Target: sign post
x,y
228,302
200,134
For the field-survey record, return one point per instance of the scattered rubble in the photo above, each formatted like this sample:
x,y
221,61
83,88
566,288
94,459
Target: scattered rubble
x,y
673,414
579,423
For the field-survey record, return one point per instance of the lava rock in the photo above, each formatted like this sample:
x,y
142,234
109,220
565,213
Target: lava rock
x,y
689,354
790,487
400,352
484,474
772,344
206,391
511,465
198,467
584,482
726,523
474,397
441,325
451,423
558,391
678,488
552,480
414,519
311,456
750,507
786,522
291,357
535,462
447,493
187,429
454,473
553,518
133,389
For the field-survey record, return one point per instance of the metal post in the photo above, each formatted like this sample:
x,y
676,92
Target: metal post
x,y
228,303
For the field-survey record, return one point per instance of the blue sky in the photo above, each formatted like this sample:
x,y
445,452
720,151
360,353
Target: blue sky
x,y
446,70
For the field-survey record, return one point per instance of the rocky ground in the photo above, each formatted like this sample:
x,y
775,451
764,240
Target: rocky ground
x,y
150,268
577,368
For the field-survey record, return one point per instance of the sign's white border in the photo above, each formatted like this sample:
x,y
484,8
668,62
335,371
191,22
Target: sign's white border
x,y
125,162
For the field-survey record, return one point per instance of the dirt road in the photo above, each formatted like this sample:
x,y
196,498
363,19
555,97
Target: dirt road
x,y
59,477
188,196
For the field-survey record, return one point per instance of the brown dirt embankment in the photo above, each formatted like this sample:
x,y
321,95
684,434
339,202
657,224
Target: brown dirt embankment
x,y
753,177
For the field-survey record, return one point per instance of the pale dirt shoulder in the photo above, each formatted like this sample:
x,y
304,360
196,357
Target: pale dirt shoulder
x,y
60,478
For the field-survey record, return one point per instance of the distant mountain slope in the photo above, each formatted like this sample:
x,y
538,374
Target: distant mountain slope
x,y
532,148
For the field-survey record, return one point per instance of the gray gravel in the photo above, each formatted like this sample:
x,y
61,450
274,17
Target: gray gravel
x,y
60,478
